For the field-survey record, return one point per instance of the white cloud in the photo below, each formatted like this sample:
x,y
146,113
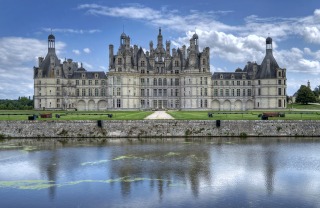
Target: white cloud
x,y
312,34
69,30
77,52
17,58
87,65
87,50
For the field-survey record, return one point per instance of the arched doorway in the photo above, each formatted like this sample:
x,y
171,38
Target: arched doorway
x,y
81,105
215,105
227,105
238,105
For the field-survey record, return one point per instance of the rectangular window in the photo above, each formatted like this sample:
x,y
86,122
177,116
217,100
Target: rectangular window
x,y
118,91
83,92
227,92
103,92
142,93
96,92
90,92
83,82
221,83
232,92
142,81
154,92
118,80
201,80
177,92
103,82
77,92
238,82
119,60
279,103
142,103
279,91
118,103
206,80
205,91
215,82
90,82
160,92
221,92
279,82
171,92
227,83
238,92
215,92
259,82
259,91
96,82
77,82
205,103
249,92
58,81
244,92
249,83
176,82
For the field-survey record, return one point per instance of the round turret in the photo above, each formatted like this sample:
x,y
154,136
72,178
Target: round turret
x,y
51,36
195,36
269,40
123,35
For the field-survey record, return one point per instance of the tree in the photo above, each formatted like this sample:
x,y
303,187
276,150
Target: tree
x,y
305,95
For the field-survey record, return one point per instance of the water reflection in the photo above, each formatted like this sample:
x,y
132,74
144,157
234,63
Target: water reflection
x,y
213,172
165,163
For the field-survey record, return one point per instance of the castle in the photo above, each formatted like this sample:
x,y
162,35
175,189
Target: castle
x,y
161,78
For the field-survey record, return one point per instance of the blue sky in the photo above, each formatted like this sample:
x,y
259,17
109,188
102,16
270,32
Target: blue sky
x,y
235,31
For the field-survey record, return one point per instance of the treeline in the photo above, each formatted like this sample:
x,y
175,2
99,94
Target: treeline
x,y
23,103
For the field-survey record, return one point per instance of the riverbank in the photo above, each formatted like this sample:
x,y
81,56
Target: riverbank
x,y
158,128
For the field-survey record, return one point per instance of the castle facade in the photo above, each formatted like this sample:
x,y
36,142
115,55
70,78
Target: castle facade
x,y
161,78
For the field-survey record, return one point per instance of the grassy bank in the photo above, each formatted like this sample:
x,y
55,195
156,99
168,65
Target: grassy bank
x,y
76,115
254,115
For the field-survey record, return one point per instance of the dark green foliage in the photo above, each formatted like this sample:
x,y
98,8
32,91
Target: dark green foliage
x,y
305,95
23,103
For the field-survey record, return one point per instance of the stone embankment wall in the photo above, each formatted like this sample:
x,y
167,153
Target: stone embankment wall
x,y
157,128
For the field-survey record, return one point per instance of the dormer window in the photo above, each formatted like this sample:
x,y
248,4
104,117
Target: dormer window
x,y
83,75
232,76
221,76
279,73
142,63
243,76
96,75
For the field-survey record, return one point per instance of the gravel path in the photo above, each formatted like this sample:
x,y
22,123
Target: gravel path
x,y
159,115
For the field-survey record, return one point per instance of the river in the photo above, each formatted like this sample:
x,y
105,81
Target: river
x,y
213,172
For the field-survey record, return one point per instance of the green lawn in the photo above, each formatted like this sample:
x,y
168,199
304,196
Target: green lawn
x,y
140,115
203,115
300,106
78,115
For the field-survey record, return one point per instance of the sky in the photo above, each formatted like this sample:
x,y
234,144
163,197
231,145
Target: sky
x,y
235,31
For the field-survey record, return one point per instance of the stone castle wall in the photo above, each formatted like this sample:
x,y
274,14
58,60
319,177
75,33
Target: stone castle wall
x,y
157,128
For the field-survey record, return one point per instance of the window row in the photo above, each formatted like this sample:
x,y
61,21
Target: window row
x,y
91,92
232,92
90,82
232,82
